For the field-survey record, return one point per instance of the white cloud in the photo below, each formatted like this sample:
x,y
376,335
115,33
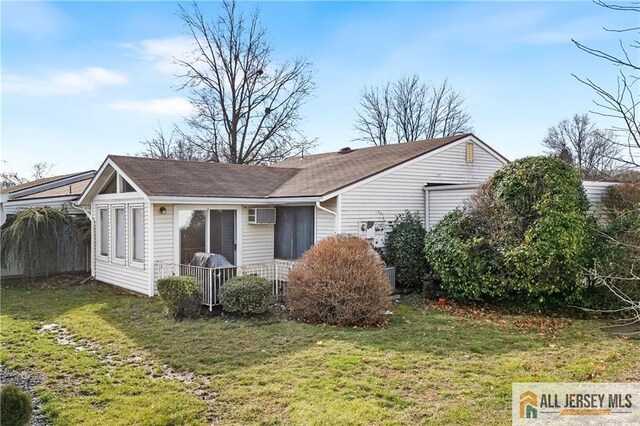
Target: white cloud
x,y
35,19
160,52
165,106
63,83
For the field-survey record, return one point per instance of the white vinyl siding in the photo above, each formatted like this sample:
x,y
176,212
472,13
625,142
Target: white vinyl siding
x,y
163,233
122,272
595,191
389,195
257,241
325,221
442,201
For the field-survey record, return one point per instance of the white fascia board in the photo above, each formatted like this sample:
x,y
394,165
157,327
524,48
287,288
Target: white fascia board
x,y
231,201
41,200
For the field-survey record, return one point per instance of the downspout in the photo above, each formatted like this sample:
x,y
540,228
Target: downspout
x,y
425,189
324,209
92,242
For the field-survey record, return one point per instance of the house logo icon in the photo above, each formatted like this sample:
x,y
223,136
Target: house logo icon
x,y
528,405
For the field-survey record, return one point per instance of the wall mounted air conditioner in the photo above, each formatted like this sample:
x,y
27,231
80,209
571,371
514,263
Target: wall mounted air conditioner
x,y
262,216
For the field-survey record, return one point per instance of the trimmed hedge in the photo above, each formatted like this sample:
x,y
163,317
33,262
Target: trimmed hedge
x,y
15,406
181,296
246,295
339,281
405,251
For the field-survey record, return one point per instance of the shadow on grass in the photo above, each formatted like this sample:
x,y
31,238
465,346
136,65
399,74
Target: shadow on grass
x,y
218,345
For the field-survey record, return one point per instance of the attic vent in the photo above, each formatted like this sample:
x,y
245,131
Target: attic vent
x,y
345,150
469,152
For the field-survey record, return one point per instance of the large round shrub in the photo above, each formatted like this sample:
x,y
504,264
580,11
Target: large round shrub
x,y
405,249
181,296
246,295
524,236
339,281
15,406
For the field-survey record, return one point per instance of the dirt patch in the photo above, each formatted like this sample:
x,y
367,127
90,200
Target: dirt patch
x,y
534,322
58,281
27,383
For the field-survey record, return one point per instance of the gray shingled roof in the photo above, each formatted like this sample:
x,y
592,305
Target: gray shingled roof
x,y
313,175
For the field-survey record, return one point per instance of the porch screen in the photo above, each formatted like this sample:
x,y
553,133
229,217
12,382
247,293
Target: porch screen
x,y
222,233
293,231
192,233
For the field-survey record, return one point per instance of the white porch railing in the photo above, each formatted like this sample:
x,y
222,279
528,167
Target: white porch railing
x,y
211,279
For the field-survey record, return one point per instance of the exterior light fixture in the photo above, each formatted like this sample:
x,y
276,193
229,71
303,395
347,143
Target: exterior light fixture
x,y
163,210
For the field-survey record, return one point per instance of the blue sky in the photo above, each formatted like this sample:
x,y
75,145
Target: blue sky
x,y
81,80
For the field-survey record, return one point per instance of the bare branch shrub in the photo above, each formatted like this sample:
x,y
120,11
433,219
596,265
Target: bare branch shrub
x,y
339,281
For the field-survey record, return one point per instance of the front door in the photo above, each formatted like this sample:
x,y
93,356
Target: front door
x,y
222,233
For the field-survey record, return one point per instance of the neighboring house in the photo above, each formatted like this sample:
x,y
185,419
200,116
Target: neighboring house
x,y
149,212
59,192
54,191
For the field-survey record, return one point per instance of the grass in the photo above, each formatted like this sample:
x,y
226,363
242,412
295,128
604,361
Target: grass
x,y
427,366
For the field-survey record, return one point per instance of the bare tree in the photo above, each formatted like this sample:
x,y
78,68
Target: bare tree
x,y
247,107
174,146
8,179
580,143
409,109
621,102
38,171
41,170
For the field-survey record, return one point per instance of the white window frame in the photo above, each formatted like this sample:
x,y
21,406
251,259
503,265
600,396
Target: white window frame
x,y
131,237
114,230
99,232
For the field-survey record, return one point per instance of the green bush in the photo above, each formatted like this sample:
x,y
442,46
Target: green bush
x,y
405,251
246,295
181,296
15,406
616,252
525,236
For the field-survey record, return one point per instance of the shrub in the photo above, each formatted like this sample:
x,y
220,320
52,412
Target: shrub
x,y
246,295
339,281
181,296
525,236
616,251
405,251
15,406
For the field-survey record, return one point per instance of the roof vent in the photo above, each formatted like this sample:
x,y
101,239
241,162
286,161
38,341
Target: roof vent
x,y
345,150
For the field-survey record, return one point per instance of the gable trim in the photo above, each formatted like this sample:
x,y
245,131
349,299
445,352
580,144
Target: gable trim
x,y
109,162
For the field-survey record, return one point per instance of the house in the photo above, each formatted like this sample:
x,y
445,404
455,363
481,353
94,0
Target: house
x,y
59,192
149,213
55,191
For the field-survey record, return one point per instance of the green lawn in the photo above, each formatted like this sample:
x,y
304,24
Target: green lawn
x,y
427,366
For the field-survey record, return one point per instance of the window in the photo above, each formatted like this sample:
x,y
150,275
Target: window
x,y
293,231
103,235
137,234
192,233
469,152
111,187
125,186
119,234
222,233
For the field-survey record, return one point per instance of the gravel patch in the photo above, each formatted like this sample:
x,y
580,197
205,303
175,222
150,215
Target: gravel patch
x,y
28,384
